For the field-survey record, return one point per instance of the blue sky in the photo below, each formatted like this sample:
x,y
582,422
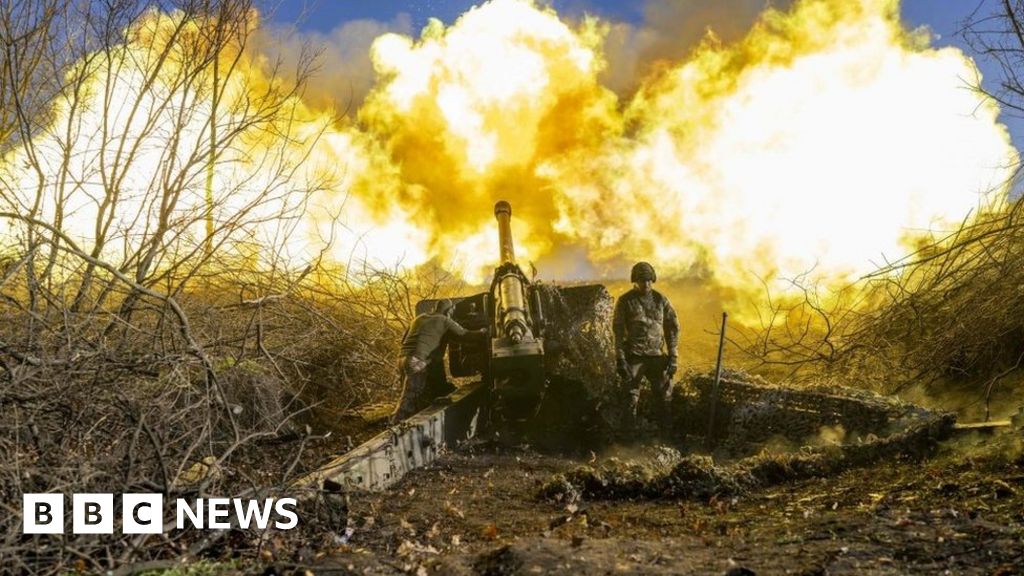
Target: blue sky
x,y
943,17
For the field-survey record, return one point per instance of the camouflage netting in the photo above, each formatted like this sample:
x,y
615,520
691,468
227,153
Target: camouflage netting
x,y
578,336
749,414
580,366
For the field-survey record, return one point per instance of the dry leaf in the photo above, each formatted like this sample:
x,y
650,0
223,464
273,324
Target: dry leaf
x,y
451,509
199,471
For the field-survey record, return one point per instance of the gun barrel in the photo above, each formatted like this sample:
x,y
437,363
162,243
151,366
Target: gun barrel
x,y
517,348
513,311
503,212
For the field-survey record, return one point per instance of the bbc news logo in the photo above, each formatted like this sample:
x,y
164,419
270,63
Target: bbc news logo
x,y
144,513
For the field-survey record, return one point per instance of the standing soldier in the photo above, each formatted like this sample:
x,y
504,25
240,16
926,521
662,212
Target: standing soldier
x,y
424,345
646,333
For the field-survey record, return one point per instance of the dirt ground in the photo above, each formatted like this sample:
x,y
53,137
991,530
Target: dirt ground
x,y
477,512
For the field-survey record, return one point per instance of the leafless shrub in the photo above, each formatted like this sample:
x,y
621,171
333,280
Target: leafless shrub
x,y
368,307
946,313
799,330
951,310
154,331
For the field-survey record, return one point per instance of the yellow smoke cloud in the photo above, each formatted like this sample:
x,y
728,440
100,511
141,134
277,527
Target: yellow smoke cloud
x,y
467,113
823,139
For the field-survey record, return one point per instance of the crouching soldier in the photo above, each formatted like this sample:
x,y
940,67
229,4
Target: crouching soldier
x,y
646,333
422,354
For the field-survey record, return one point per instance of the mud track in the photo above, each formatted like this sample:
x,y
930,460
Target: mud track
x,y
478,512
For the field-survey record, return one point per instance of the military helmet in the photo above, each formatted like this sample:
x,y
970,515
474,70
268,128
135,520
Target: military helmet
x,y
443,306
642,271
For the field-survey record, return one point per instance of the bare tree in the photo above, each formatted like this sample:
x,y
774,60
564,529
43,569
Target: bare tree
x,y
153,328
995,31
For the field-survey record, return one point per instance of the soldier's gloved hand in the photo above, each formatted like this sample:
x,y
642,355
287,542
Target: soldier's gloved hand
x,y
673,366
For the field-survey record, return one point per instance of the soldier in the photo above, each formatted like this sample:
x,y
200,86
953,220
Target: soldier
x,y
423,346
646,333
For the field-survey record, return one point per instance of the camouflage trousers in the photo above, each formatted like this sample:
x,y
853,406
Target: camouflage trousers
x,y
422,382
653,369
413,373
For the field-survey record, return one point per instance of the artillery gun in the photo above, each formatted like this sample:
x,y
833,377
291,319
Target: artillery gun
x,y
549,357
548,369
511,361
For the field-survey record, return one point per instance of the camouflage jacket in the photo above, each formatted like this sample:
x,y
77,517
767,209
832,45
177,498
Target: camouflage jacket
x,y
645,325
425,337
